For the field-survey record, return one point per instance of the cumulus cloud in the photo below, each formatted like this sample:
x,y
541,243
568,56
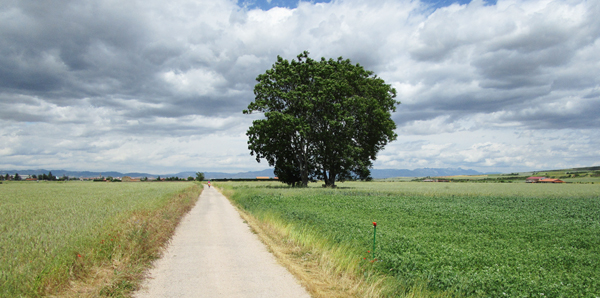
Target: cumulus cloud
x,y
88,84
504,58
501,150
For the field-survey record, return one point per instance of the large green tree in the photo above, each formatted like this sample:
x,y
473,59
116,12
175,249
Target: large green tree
x,y
323,119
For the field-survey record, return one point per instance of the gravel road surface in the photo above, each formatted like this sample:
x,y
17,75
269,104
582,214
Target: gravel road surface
x,y
214,254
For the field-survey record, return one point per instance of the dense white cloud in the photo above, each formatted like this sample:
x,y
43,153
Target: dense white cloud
x,y
501,149
159,86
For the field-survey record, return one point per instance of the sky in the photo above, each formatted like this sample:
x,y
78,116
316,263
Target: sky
x,y
159,86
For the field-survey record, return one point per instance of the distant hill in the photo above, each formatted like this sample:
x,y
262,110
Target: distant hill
x,y
595,168
88,174
375,173
221,175
423,172
78,174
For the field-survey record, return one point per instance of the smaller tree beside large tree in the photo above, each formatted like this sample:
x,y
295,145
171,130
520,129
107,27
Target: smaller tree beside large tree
x,y
324,119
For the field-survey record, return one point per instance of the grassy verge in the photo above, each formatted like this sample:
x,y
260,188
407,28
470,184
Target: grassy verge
x,y
85,239
453,240
325,268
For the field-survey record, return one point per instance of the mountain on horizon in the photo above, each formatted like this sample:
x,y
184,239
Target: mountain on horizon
x,y
375,173
422,172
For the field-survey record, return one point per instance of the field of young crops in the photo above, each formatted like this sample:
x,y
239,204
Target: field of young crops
x,y
466,239
46,227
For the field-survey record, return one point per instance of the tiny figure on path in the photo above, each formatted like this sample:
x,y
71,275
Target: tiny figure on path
x,y
209,184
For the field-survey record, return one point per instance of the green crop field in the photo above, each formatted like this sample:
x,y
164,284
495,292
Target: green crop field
x,y
463,239
46,227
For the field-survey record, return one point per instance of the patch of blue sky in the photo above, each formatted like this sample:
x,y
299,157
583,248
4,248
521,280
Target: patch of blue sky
x,y
268,4
444,3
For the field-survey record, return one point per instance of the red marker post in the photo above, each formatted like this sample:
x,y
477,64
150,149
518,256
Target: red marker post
x,y
374,233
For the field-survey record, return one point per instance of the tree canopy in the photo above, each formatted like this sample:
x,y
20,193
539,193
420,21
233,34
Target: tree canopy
x,y
323,119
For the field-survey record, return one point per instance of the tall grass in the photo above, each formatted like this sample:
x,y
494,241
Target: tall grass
x,y
473,240
61,238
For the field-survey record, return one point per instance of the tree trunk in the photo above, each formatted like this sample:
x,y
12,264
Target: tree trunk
x,y
332,179
326,178
304,174
329,179
304,178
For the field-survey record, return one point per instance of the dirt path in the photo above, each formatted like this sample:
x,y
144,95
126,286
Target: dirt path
x,y
214,254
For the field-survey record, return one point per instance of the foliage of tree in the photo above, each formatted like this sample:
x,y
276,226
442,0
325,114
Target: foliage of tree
x,y
17,177
199,176
323,119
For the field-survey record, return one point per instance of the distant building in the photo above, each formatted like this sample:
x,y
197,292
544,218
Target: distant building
x,y
548,180
534,179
